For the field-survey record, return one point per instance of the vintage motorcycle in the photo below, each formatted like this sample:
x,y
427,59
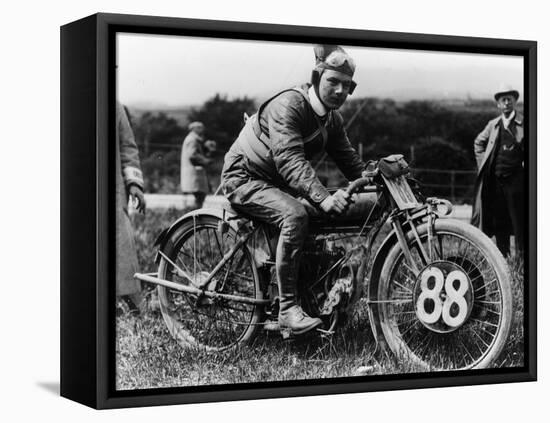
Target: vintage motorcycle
x,y
438,293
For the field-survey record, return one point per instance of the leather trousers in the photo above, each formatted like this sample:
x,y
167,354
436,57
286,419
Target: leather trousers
x,y
267,203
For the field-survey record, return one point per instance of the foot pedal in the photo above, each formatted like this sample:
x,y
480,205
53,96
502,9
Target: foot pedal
x,y
286,334
272,326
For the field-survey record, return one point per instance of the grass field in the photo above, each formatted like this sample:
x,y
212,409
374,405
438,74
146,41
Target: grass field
x,y
148,357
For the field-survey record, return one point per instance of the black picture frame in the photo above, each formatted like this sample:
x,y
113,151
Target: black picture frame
x,y
87,221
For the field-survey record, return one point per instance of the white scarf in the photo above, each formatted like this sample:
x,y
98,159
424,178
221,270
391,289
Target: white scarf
x,y
318,107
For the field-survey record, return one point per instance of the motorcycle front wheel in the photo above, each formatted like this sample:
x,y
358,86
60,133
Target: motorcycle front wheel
x,y
212,324
451,310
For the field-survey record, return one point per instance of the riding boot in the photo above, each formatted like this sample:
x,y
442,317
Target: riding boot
x,y
291,316
294,229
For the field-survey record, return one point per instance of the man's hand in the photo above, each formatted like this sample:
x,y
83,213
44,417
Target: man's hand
x,y
137,198
210,145
337,203
210,148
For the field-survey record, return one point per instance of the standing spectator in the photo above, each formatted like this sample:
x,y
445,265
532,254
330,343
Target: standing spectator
x,y
499,197
194,160
129,184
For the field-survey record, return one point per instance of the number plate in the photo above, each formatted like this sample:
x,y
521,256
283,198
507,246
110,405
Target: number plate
x,y
401,192
443,297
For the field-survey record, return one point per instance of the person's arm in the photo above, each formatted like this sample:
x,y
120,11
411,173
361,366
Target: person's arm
x,y
129,158
480,144
342,152
196,155
284,119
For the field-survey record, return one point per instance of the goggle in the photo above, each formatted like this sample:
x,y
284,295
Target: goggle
x,y
338,58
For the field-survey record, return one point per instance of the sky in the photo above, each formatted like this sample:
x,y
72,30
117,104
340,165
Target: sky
x,y
159,70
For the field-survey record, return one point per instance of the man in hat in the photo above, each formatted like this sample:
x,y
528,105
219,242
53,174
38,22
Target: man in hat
x,y
194,179
499,200
268,174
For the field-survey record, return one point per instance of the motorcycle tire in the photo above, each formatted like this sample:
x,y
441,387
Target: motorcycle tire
x,y
211,324
407,307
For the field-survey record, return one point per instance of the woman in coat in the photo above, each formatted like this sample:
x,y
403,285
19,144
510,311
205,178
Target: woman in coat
x,y
129,183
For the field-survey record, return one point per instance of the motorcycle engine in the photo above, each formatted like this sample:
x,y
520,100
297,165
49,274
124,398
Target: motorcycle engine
x,y
331,275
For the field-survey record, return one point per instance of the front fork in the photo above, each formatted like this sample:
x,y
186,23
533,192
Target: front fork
x,y
427,253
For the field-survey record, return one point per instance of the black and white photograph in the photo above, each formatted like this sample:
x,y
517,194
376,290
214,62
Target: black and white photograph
x,y
279,211
292,211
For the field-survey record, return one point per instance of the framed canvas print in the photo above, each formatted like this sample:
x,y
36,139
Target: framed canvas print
x,y
255,211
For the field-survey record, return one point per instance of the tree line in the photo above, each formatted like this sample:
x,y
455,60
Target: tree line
x,y
431,135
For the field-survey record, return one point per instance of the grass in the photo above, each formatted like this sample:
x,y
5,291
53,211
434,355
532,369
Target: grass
x,y
148,357
513,353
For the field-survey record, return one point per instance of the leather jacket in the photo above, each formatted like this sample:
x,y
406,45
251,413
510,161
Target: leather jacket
x,y
286,121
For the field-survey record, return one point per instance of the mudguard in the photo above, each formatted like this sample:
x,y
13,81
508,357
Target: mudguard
x,y
376,270
372,289
166,234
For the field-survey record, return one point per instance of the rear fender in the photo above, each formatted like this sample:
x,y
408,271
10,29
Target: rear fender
x,y
167,233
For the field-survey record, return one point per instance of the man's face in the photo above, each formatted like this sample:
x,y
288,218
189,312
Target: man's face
x,y
506,104
334,88
199,130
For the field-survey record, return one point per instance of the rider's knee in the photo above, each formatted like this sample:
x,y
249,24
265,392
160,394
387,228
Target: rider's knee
x,y
296,219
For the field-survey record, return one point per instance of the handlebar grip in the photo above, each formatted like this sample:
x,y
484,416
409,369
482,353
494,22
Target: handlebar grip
x,y
358,184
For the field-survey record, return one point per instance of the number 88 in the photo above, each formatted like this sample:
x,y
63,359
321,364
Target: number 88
x,y
443,308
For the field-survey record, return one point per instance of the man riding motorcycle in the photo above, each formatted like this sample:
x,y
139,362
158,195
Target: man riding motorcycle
x,y
268,175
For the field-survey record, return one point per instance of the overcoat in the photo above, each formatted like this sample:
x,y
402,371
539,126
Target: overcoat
x,y
193,165
484,146
128,172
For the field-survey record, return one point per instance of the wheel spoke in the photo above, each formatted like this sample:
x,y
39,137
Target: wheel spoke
x,y
401,286
425,343
410,327
220,249
488,302
484,322
467,350
487,294
407,321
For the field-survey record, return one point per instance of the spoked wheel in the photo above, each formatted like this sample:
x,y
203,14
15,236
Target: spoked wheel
x,y
454,311
214,324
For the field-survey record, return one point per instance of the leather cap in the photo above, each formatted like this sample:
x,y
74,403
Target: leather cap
x,y
334,58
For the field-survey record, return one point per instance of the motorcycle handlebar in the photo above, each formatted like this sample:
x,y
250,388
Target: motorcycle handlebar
x,y
366,180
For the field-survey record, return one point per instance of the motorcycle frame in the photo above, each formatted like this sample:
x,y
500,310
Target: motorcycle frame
x,y
241,242
391,213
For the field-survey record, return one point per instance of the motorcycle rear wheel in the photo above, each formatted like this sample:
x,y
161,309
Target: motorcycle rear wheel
x,y
481,336
212,324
